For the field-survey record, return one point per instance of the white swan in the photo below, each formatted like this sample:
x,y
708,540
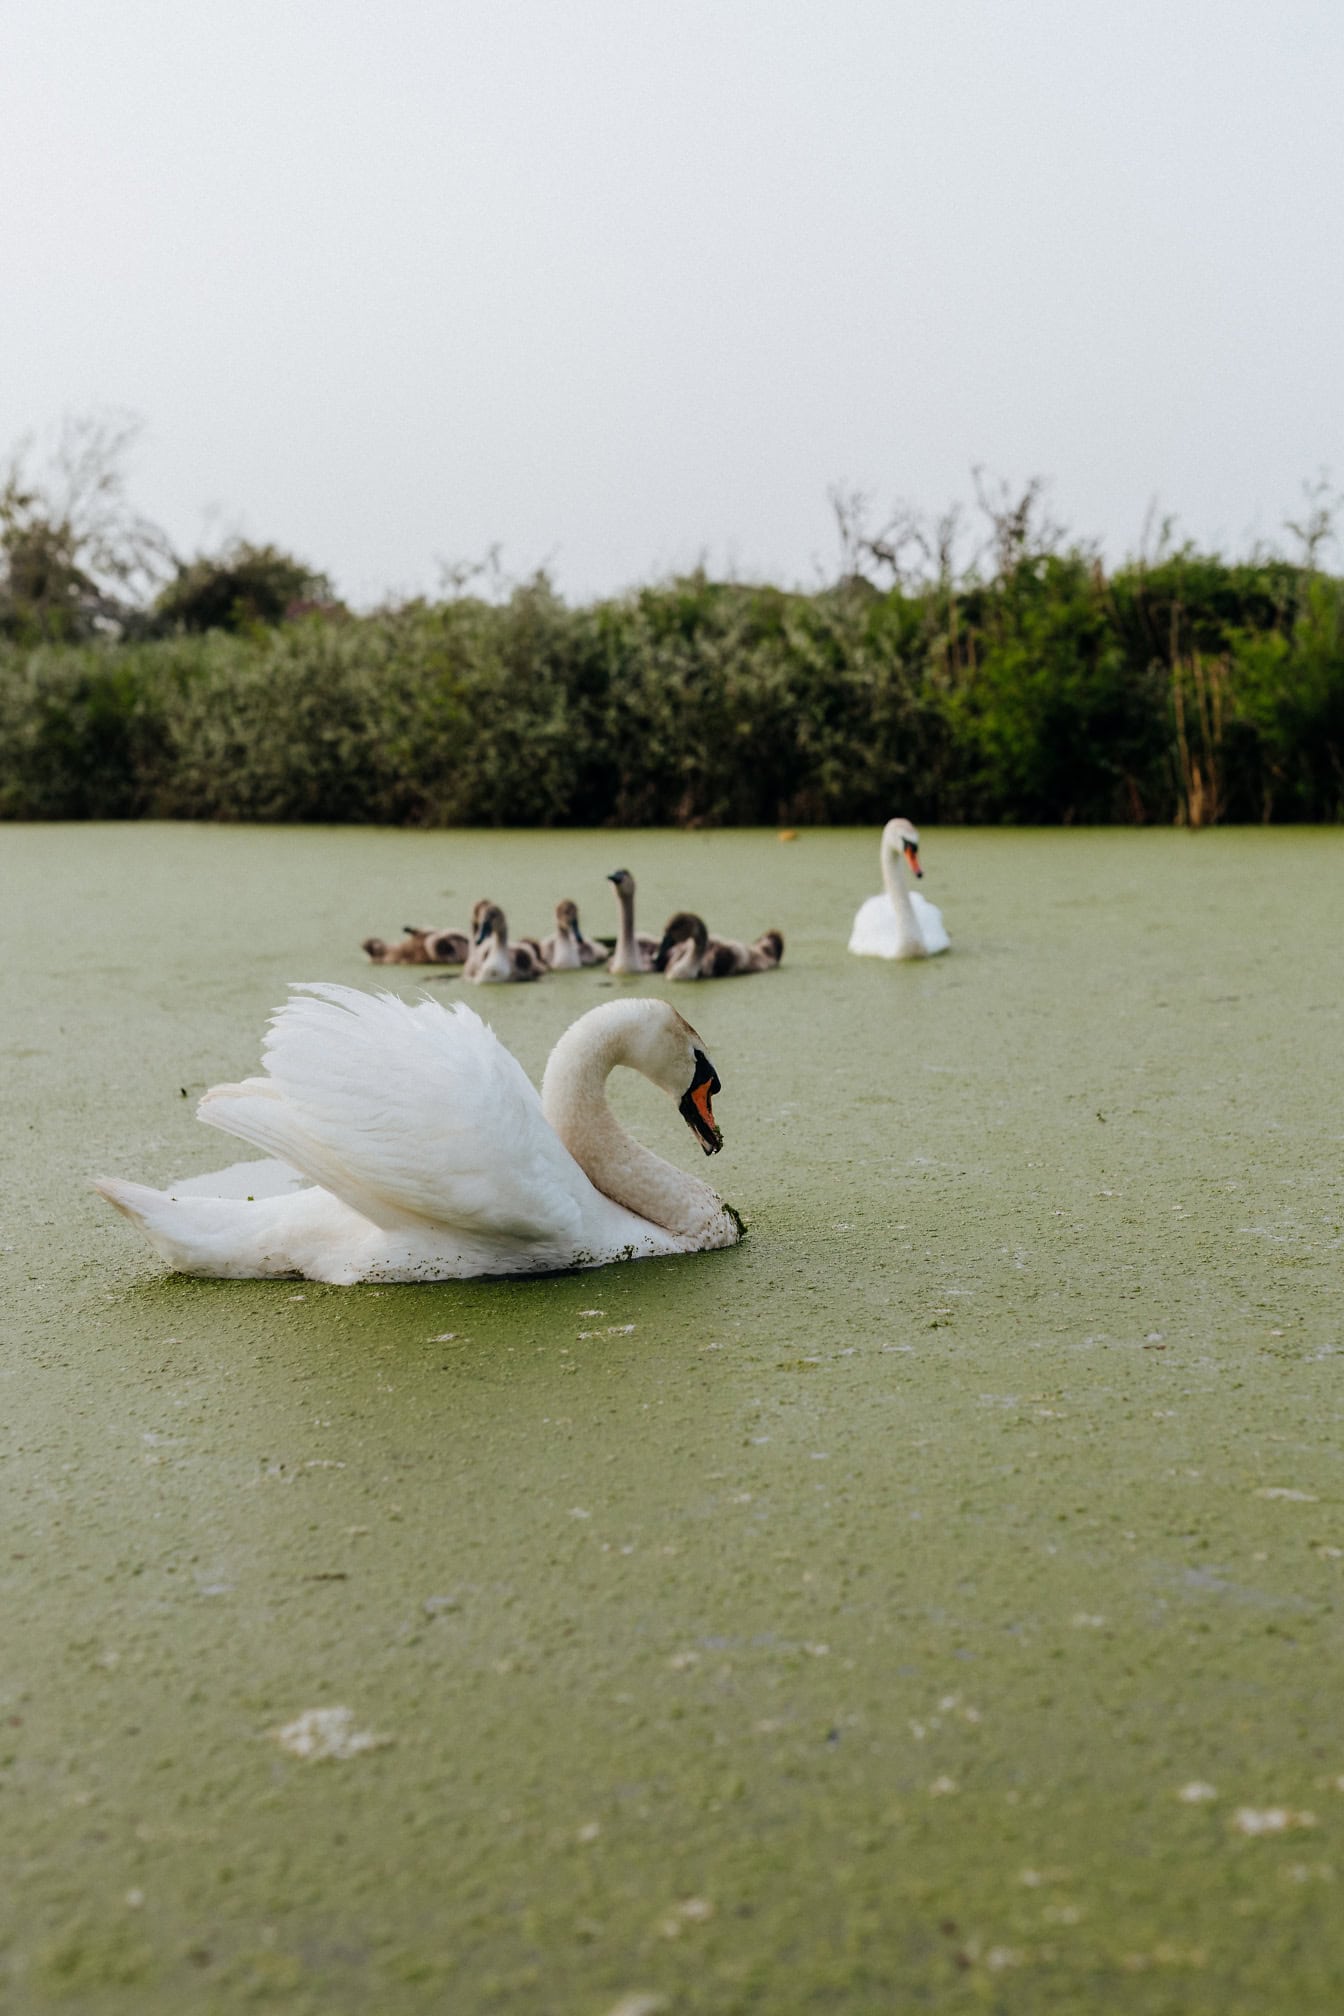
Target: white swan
x,y
900,924
428,1155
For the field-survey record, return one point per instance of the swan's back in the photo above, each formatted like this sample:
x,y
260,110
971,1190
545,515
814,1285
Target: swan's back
x,y
931,927
405,1111
877,931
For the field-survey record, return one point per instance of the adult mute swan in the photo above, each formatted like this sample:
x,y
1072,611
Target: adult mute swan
x,y
635,953
567,949
428,1156
687,951
900,924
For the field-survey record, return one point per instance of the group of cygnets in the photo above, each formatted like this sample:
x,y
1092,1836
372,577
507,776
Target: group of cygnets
x,y
686,950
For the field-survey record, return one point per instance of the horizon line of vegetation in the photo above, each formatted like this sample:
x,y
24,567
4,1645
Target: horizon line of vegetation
x,y
1022,682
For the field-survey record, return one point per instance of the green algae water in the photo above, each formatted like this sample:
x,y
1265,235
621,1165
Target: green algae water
x,y
932,1602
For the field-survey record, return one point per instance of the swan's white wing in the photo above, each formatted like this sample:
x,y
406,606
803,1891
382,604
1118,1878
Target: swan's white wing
x,y
875,931
399,1108
930,920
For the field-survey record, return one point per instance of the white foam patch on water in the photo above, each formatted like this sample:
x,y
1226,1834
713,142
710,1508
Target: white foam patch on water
x,y
1270,1820
690,1911
321,1733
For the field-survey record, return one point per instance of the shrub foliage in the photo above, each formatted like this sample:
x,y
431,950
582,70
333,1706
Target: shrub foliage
x,y
239,588
1191,689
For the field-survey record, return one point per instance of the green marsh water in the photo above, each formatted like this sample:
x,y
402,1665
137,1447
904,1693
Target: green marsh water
x,y
829,1625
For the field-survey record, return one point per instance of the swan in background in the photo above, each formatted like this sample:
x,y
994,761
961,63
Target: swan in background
x,y
899,924
492,957
426,1154
420,947
687,951
634,952
567,949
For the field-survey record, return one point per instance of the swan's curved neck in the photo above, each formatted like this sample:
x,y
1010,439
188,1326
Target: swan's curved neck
x,y
896,888
574,1100
627,946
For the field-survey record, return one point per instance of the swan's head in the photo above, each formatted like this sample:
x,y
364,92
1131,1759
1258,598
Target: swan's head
x,y
663,1045
567,918
675,932
650,1037
900,836
695,1108
624,881
487,921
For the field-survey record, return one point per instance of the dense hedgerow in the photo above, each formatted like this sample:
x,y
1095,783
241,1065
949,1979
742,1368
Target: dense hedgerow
x,y
1193,689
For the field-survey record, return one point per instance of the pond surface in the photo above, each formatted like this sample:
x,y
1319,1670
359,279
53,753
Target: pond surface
x,y
931,1602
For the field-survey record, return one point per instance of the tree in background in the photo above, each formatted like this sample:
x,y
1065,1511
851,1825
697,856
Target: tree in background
x,y
241,587
75,558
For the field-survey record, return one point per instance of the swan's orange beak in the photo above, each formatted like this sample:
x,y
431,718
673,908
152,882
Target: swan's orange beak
x,y
695,1108
911,854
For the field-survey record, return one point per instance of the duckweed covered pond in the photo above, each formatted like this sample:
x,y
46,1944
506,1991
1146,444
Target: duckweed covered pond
x,y
931,1603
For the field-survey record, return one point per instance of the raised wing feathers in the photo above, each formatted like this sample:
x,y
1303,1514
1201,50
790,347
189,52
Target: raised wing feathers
x,y
399,1108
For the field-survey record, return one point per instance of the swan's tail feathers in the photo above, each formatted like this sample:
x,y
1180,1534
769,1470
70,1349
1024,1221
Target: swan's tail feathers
x,y
133,1200
159,1216
219,1236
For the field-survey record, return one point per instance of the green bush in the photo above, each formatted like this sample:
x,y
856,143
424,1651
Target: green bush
x,y
239,588
1194,690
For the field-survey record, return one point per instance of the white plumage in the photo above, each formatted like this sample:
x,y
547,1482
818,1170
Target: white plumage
x,y
423,1151
877,930
899,924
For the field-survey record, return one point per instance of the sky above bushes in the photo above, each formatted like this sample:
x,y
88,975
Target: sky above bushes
x,y
623,287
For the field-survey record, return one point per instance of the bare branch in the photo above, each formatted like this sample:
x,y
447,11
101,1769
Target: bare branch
x,y
1315,528
72,548
1020,526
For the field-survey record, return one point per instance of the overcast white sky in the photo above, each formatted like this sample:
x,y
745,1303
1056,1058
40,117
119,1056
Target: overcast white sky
x,y
624,284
